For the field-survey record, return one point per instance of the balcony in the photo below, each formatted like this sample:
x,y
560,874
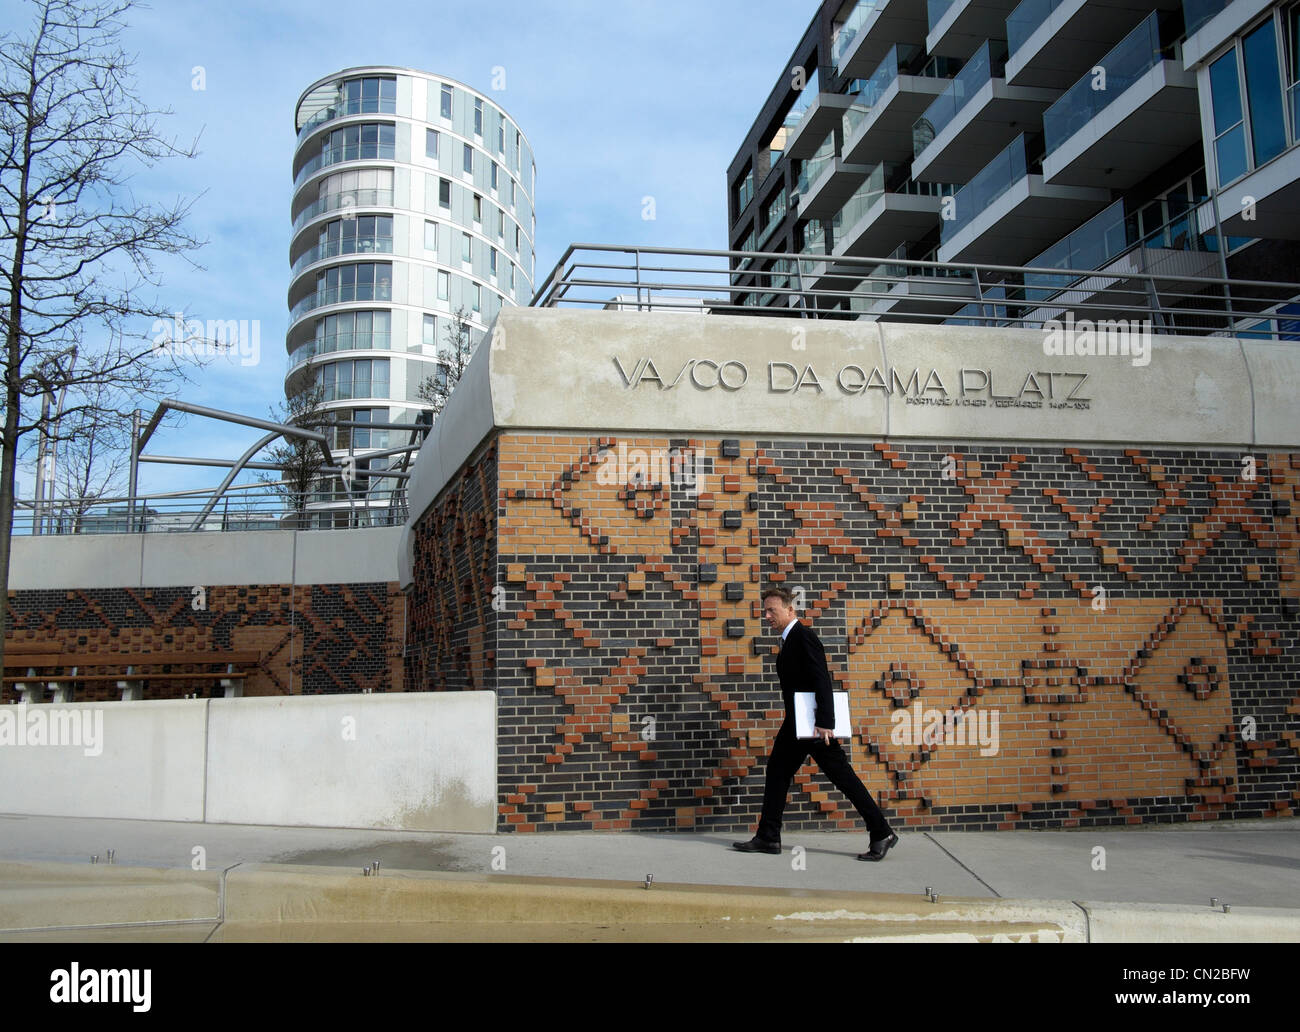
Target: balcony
x,y
872,27
348,152
826,181
339,296
1053,42
959,27
340,108
973,119
356,199
1007,212
335,248
327,345
819,117
879,127
1146,115
887,208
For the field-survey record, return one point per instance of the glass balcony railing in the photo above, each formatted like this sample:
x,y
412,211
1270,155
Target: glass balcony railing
x,y
1130,59
853,116
345,199
989,183
1197,12
1023,22
935,10
340,295
340,342
1099,240
802,105
811,169
343,108
334,248
866,195
886,74
988,63
849,31
348,152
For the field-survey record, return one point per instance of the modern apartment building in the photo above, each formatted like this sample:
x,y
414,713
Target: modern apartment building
x,y
412,200
1088,134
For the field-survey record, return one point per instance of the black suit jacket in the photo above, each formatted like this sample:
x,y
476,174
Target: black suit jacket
x,y
801,666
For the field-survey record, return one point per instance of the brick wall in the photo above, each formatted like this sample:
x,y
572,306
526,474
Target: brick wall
x,y
314,639
636,684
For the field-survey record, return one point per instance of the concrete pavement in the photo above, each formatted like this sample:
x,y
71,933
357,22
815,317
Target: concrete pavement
x,y
1134,884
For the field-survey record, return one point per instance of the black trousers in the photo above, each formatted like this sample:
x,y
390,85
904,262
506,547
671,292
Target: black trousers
x,y
788,755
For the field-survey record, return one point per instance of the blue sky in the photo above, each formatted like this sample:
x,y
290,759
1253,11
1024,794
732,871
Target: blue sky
x,y
620,101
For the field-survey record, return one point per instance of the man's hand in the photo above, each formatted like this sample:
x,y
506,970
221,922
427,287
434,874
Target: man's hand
x,y
824,734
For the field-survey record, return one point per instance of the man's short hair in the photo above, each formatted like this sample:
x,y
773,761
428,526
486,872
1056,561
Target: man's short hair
x,y
784,594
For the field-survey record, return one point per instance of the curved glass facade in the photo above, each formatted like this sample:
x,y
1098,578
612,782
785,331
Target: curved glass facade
x,y
412,200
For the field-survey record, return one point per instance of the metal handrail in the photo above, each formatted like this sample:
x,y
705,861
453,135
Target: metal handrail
x,y
830,286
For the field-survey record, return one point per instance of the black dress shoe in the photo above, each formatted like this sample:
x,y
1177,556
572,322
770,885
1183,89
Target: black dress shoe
x,y
757,845
880,848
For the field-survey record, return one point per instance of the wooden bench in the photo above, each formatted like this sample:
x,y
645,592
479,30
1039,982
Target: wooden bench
x,y
32,672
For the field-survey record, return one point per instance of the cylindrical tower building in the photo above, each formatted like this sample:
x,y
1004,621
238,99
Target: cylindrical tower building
x,y
412,200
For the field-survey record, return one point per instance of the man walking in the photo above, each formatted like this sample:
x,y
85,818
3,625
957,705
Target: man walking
x,y
801,666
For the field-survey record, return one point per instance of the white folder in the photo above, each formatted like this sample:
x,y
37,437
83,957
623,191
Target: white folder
x,y
805,714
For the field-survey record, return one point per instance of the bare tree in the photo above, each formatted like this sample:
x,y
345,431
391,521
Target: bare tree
x,y
437,387
300,460
91,464
78,253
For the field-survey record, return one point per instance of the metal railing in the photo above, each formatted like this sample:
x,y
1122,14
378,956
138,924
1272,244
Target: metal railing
x,y
892,288
244,507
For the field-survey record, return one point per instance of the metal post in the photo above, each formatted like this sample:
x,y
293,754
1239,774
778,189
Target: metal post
x,y
135,470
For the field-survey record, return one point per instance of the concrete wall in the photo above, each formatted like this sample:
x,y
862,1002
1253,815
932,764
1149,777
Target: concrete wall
x,y
422,762
173,560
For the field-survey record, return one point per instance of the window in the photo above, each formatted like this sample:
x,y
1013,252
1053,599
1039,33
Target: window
x,y
477,295
358,141
492,260
512,277
446,101
444,286
501,224
348,236
444,193
519,149
478,118
346,437
1229,127
351,330
493,176
513,195
430,331
745,191
367,95
501,138
1264,93
364,282
1253,96
469,159
478,209
431,236
465,253
431,144
359,378
517,248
